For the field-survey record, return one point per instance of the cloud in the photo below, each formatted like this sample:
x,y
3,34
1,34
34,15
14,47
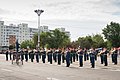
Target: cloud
x,y
3,11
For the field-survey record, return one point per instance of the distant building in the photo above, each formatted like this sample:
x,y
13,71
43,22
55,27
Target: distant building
x,y
12,39
9,33
63,30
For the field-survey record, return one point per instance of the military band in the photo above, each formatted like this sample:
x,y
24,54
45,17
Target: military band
x,y
66,55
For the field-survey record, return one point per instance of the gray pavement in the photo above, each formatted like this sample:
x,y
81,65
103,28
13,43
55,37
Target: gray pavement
x,y
40,71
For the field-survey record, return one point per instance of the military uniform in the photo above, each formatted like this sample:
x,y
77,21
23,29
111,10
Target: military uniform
x,y
50,56
43,53
10,53
67,59
71,56
37,56
80,52
102,57
74,52
32,55
76,56
22,55
59,57
115,56
26,55
96,53
105,57
85,55
55,55
92,58
63,57
7,55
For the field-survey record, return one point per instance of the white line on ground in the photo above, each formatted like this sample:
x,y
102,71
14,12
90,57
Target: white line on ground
x,y
7,70
52,78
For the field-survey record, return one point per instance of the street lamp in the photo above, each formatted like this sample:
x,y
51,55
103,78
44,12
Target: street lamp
x,y
39,13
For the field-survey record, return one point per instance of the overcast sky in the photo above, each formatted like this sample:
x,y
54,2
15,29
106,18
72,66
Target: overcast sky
x,y
80,17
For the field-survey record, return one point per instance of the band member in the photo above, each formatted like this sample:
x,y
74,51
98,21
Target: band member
x,y
59,57
37,55
10,53
29,54
115,55
49,52
105,53
63,55
92,58
80,52
74,53
102,56
55,55
32,55
71,55
26,55
22,55
112,54
7,52
67,58
43,53
85,54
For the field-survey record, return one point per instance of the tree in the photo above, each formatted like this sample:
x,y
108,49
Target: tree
x,y
54,39
85,42
58,39
112,34
11,47
27,43
98,41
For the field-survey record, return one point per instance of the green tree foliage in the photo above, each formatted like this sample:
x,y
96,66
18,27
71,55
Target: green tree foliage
x,y
26,43
85,42
98,41
112,34
11,47
54,39
95,41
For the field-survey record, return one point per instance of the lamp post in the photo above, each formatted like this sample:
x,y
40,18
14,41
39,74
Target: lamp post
x,y
39,13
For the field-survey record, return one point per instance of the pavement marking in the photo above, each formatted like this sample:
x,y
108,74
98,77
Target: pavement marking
x,y
116,70
7,70
52,78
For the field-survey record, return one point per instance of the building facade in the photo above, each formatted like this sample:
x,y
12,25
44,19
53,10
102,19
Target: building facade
x,y
63,30
10,33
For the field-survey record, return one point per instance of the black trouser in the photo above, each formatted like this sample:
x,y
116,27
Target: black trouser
x,y
81,61
92,62
43,58
102,58
67,62
26,57
63,58
32,57
115,58
85,56
29,55
112,55
10,56
105,60
50,58
22,57
37,58
6,57
73,57
96,57
55,57
76,57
